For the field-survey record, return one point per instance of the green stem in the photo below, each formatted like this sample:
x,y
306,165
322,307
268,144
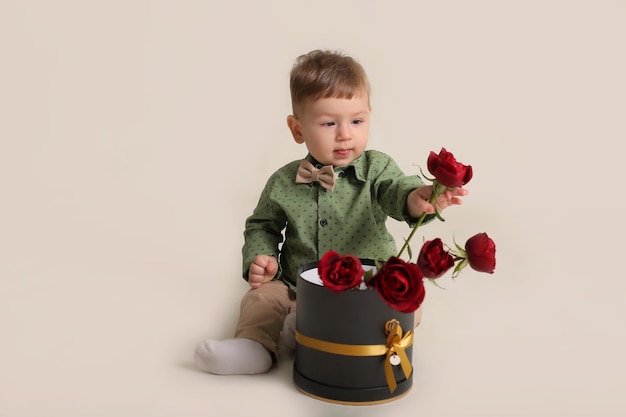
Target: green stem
x,y
437,189
406,242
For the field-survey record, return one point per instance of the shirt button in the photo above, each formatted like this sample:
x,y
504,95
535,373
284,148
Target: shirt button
x,y
323,222
341,174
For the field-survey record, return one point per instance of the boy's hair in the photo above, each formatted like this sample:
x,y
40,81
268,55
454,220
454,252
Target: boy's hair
x,y
324,74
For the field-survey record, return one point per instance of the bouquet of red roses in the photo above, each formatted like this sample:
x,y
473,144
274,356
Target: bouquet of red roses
x,y
400,283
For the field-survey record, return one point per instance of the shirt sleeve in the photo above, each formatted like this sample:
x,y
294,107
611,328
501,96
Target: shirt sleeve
x,y
392,187
263,230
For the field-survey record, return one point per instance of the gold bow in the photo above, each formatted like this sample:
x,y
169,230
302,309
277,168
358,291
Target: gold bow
x,y
308,173
396,344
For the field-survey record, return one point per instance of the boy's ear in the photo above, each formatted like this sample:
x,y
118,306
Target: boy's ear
x,y
294,127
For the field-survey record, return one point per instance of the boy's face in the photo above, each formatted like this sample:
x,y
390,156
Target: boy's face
x,y
335,130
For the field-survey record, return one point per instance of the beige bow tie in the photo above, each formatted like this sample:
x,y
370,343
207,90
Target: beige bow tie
x,y
308,173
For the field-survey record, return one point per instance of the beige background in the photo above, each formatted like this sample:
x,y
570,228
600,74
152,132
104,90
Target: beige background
x,y
137,135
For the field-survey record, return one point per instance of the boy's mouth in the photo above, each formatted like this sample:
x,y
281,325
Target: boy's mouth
x,y
342,152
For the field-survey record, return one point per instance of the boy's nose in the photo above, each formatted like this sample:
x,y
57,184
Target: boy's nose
x,y
343,133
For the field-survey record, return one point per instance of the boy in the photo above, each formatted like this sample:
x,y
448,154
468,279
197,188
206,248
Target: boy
x,y
337,198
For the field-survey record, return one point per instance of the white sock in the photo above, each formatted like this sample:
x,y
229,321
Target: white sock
x,y
232,357
288,333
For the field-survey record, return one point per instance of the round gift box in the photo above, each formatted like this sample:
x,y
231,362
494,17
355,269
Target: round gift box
x,y
355,318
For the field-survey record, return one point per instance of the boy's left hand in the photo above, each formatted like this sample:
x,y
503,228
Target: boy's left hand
x,y
418,200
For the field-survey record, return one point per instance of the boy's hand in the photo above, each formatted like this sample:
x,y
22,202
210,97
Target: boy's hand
x,y
418,200
262,270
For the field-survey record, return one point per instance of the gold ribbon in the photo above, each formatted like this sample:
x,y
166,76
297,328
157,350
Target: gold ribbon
x,y
396,344
307,173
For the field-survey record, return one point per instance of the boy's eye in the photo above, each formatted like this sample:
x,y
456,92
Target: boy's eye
x,y
328,124
357,122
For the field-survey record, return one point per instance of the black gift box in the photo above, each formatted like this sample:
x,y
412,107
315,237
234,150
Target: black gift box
x,y
352,317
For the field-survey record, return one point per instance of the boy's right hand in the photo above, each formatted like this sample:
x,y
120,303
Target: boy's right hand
x,y
262,270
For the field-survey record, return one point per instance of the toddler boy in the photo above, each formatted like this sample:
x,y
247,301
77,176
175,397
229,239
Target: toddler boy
x,y
337,198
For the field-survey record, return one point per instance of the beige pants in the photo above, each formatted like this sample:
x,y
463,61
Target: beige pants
x,y
263,311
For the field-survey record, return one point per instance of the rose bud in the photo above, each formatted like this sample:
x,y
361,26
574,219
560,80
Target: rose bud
x,y
433,259
447,170
481,253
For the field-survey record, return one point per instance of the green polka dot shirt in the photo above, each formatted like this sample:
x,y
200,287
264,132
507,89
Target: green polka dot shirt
x,y
298,223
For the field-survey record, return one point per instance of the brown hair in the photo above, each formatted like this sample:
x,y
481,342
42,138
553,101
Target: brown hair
x,y
323,74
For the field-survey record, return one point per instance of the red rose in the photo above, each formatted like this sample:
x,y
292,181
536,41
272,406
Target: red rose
x,y
400,284
447,170
340,273
433,259
481,253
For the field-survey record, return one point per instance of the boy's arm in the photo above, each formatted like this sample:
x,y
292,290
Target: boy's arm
x,y
406,197
392,188
263,232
